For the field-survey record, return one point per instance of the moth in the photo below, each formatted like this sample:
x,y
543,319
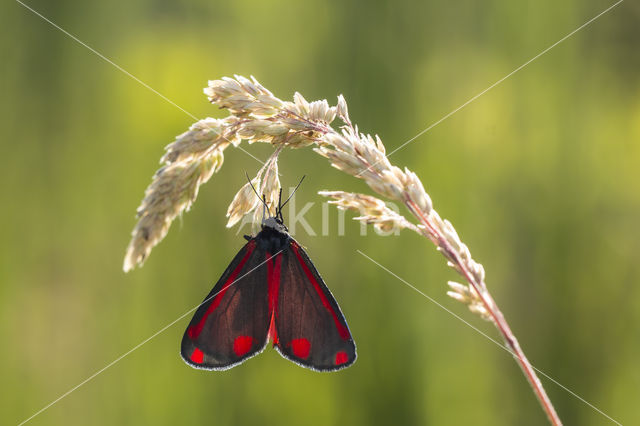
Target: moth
x,y
271,291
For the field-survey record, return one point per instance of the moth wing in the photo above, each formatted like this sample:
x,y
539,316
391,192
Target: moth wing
x,y
232,323
310,327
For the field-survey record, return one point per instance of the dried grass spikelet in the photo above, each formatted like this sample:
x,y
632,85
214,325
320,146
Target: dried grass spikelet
x,y
244,202
456,252
372,210
262,117
243,97
270,189
201,137
469,296
189,162
364,157
312,113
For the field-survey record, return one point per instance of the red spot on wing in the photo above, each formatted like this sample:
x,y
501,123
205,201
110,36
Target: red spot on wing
x,y
301,348
341,357
197,356
342,330
194,331
242,345
273,281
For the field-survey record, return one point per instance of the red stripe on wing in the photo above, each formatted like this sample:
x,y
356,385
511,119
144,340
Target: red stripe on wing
x,y
342,330
273,281
194,331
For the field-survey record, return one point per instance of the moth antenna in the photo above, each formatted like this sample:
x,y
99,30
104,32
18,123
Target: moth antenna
x,y
294,191
279,209
264,207
263,199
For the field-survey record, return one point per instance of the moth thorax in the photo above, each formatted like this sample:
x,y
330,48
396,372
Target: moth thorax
x,y
272,222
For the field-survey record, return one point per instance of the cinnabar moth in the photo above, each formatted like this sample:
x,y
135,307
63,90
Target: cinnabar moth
x,y
270,291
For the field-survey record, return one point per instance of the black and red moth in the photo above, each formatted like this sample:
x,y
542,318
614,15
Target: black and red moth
x,y
270,291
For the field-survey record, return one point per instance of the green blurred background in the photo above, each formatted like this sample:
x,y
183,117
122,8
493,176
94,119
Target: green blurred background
x,y
540,176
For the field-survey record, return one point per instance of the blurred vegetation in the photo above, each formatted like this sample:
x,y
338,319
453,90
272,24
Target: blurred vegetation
x,y
540,176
